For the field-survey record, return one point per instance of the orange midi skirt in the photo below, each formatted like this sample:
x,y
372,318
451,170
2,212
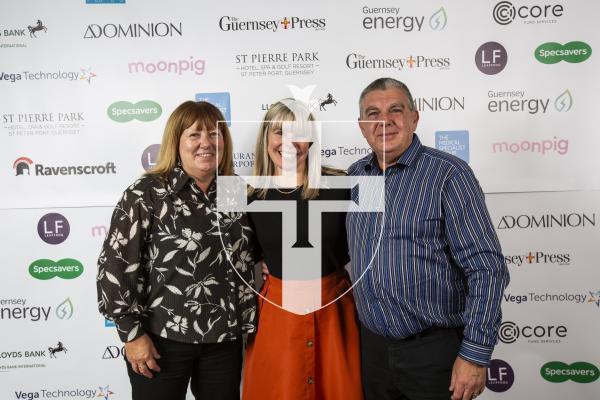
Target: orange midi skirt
x,y
305,357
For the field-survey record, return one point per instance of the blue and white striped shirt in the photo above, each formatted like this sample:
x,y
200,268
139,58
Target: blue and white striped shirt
x,y
439,262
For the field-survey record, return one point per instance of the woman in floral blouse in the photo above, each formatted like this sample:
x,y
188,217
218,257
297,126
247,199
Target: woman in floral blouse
x,y
174,273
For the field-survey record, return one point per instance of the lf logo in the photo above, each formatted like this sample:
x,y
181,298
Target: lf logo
x,y
491,58
53,228
500,376
149,156
300,263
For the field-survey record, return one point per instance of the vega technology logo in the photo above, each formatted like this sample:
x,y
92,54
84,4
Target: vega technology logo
x,y
572,52
66,268
22,167
102,392
143,111
72,76
579,372
594,298
505,13
392,18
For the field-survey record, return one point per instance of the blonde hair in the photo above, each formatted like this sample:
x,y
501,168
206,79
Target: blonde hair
x,y
274,118
184,116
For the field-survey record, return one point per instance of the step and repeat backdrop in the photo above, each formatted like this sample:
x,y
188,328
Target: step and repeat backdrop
x,y
87,86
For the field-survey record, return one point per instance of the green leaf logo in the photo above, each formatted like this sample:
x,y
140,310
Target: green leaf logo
x,y
580,372
438,20
44,269
125,111
564,101
572,52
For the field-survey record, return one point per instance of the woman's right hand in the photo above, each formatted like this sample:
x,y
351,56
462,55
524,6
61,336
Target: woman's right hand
x,y
142,356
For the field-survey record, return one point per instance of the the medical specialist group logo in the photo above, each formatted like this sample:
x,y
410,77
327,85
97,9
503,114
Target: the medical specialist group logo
x,y
190,65
397,19
511,332
500,376
491,58
538,258
221,100
544,221
24,166
505,12
572,52
578,372
532,297
83,74
272,64
67,392
43,123
53,228
520,102
453,142
126,111
356,61
235,24
134,30
45,269
15,35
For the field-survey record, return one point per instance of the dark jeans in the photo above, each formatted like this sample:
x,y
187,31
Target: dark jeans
x,y
416,368
214,370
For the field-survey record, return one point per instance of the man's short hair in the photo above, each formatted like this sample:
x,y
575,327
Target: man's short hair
x,y
384,84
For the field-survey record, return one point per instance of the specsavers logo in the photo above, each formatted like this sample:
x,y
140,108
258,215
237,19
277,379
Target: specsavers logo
x,y
45,269
580,372
572,52
125,111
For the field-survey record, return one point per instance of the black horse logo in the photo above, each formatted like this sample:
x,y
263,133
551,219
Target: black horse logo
x,y
34,29
328,100
53,350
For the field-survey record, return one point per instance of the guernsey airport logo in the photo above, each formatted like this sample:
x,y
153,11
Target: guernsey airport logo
x,y
24,166
233,24
572,52
143,111
44,269
505,13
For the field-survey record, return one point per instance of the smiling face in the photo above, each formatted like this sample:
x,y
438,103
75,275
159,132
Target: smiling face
x,y
278,151
200,151
387,123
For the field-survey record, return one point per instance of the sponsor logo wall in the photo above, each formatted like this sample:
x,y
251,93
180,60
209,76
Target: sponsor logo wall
x,y
507,86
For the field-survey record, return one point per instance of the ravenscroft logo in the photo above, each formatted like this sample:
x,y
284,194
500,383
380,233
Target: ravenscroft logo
x,y
21,166
65,309
390,18
491,58
571,220
221,100
175,67
580,372
360,61
53,228
66,268
572,52
543,147
453,142
510,332
505,12
125,111
234,24
149,157
577,298
144,30
500,376
538,257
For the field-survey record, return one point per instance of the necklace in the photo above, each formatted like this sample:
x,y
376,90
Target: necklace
x,y
287,192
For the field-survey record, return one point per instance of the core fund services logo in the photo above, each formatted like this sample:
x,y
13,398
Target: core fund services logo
x,y
25,166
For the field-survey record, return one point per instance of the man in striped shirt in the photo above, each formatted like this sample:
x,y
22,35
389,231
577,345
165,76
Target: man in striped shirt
x,y
434,274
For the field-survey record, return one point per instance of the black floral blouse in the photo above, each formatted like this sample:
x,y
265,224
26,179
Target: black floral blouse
x,y
166,264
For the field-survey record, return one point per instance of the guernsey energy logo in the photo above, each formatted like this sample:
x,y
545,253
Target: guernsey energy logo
x,y
579,372
572,52
25,166
44,269
143,111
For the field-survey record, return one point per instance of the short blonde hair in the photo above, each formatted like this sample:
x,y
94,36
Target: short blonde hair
x,y
185,115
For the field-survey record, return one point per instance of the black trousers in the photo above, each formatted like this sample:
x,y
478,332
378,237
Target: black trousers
x,y
416,368
213,368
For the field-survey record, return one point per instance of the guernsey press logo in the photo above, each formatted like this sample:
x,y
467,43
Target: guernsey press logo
x,y
579,372
519,101
491,58
235,24
44,269
510,332
505,13
393,18
538,257
24,166
137,30
143,111
83,74
410,63
543,221
572,52
53,228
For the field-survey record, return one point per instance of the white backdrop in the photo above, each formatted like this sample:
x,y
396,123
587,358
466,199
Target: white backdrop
x,y
529,132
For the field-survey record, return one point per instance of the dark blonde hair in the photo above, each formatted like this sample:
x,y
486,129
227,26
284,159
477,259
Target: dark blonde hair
x,y
184,116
